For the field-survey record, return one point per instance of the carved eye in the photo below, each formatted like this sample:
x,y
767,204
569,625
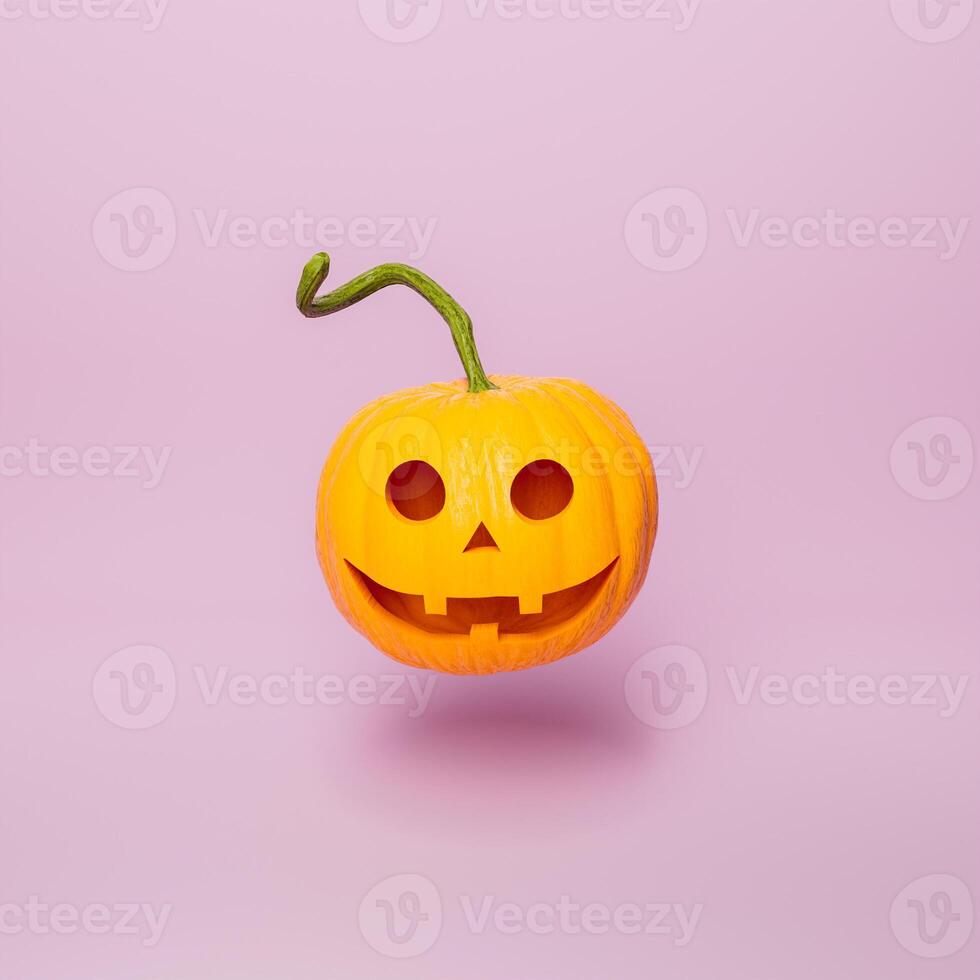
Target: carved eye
x,y
541,490
416,490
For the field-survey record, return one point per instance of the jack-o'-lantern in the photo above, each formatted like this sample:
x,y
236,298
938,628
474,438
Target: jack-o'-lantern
x,y
475,526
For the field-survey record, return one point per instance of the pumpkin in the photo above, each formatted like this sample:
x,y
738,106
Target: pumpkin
x,y
476,526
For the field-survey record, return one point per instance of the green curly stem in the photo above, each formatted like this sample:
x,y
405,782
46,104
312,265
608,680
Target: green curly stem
x,y
393,274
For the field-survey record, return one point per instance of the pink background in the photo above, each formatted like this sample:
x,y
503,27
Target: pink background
x,y
792,371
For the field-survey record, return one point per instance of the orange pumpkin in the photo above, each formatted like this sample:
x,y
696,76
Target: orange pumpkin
x,y
490,524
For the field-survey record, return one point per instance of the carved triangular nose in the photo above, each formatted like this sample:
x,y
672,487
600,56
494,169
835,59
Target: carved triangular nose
x,y
482,538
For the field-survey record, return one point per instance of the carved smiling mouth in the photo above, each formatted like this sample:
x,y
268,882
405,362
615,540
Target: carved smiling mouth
x,y
486,617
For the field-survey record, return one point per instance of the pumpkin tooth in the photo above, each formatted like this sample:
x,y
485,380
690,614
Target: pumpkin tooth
x,y
434,605
531,604
483,633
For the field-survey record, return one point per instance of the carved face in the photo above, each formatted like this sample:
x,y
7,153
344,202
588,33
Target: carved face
x,y
474,533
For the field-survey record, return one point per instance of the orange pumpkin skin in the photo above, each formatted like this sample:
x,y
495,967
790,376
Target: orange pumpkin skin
x,y
480,586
